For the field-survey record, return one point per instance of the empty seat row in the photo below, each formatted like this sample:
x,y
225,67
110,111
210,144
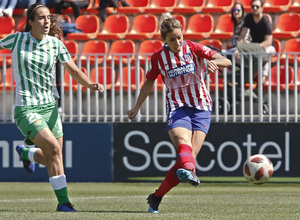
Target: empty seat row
x,y
196,6
182,6
145,26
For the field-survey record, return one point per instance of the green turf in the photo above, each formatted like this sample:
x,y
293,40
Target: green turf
x,y
214,198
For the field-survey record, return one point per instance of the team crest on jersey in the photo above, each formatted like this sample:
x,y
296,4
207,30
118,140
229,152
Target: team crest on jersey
x,y
187,57
48,46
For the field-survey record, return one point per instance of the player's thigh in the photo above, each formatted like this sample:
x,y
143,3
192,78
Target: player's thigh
x,y
180,135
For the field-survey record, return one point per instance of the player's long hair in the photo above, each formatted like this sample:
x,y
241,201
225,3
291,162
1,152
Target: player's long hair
x,y
168,23
56,26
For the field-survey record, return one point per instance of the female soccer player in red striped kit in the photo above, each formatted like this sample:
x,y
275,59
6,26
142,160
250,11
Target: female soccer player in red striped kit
x,y
181,64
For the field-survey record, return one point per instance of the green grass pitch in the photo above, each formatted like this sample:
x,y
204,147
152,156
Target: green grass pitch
x,y
215,198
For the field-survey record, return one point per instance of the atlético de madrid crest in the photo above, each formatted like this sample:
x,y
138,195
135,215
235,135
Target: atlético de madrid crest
x,y
187,57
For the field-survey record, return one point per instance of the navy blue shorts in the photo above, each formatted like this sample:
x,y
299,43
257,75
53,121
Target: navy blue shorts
x,y
190,118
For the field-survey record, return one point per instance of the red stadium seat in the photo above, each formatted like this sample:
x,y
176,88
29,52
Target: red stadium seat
x,y
21,24
277,45
182,20
148,47
115,27
8,81
213,83
159,6
93,49
282,75
212,42
66,18
224,27
292,85
5,53
72,47
199,26
108,75
246,4
295,6
291,46
218,6
121,48
288,26
7,25
131,72
73,86
89,25
189,6
136,7
277,5
144,26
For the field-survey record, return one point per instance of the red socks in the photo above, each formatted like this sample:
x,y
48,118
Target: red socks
x,y
186,161
169,182
185,157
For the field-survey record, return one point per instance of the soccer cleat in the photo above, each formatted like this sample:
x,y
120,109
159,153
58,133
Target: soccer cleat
x,y
187,176
66,207
153,202
28,165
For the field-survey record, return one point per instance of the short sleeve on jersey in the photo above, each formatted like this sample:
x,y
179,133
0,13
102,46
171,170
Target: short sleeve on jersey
x,y
63,54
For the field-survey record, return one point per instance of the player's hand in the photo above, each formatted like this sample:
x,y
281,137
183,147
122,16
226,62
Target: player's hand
x,y
212,66
132,113
96,86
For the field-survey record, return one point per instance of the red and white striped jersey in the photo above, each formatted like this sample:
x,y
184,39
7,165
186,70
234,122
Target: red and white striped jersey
x,y
183,75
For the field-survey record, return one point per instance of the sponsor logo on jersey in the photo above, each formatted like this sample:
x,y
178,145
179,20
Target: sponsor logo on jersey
x,y
181,70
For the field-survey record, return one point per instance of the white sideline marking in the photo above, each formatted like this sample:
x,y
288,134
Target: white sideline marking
x,y
73,198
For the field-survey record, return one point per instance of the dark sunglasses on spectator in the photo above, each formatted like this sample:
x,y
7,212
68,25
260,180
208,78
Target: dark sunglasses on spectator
x,y
255,6
234,10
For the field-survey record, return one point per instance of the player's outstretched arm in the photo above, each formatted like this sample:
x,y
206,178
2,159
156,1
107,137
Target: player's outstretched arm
x,y
145,91
80,77
217,61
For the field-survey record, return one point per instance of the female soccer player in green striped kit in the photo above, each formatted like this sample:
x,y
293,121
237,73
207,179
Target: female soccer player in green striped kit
x,y
34,55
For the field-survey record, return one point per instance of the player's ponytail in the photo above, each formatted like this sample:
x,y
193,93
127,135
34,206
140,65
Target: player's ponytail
x,y
167,24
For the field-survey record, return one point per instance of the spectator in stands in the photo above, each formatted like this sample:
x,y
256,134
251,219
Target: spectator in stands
x,y
7,7
35,110
76,5
110,3
180,64
261,35
238,15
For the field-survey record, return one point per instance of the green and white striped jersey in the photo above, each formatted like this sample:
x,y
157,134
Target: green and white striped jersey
x,y
34,67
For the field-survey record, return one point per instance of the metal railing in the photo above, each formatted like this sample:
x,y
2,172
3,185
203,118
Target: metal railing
x,y
237,97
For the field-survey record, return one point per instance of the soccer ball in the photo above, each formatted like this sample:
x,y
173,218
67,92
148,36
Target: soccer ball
x,y
258,169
